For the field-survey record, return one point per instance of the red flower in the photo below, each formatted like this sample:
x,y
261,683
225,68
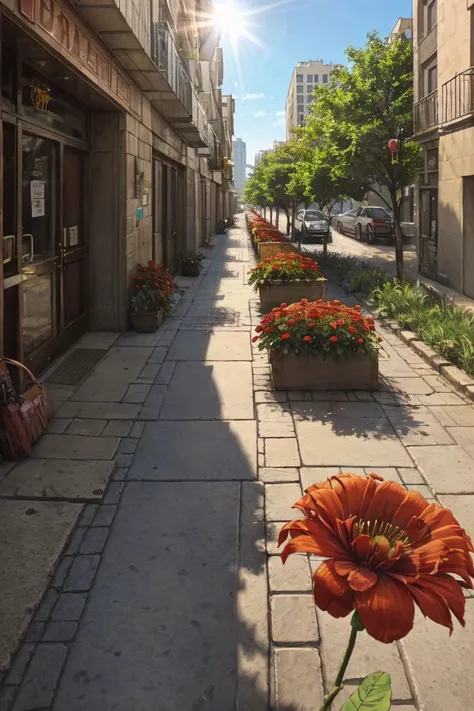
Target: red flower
x,y
334,339
150,263
255,339
352,330
259,329
285,336
307,338
360,340
387,548
333,324
341,322
140,278
291,322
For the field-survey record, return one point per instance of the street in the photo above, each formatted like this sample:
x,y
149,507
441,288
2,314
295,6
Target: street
x,y
380,255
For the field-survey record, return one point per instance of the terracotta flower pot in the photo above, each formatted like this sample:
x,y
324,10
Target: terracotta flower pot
x,y
354,371
279,292
146,322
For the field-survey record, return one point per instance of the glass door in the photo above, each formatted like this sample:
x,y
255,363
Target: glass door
x,y
38,245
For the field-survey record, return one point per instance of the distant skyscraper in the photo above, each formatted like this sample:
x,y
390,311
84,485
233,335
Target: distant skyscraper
x,y
240,162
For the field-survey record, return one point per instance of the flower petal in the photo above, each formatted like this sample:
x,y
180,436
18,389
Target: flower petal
x,y
358,577
386,610
312,537
350,488
436,596
387,500
331,592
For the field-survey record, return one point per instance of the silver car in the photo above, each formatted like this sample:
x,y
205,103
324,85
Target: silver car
x,y
311,225
366,223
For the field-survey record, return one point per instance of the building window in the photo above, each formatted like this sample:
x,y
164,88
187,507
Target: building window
x,y
431,79
431,15
300,108
316,78
325,78
299,89
299,78
309,78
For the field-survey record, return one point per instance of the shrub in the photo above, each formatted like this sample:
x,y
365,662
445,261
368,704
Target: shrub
x,y
317,328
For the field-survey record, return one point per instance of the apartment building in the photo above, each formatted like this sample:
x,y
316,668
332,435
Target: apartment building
x,y
306,75
116,149
240,164
443,35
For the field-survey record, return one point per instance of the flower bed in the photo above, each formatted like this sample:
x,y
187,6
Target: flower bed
x,y
287,277
321,345
262,231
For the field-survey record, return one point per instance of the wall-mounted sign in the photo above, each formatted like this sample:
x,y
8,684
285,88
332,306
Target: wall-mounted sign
x,y
40,96
49,15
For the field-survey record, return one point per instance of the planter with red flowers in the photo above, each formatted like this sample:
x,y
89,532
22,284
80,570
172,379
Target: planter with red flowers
x,y
320,345
287,277
151,294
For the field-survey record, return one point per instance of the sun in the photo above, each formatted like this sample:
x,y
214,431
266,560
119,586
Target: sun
x,y
230,20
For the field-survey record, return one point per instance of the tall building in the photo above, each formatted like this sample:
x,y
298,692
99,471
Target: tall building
x,y
306,75
114,134
240,165
443,37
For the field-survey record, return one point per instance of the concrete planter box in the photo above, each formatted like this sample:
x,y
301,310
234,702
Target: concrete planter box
x,y
146,322
280,292
271,249
359,371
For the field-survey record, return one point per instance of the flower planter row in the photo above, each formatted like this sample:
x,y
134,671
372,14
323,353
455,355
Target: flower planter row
x,y
312,344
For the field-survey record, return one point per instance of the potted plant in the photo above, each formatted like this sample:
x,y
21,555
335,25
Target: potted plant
x,y
287,277
190,263
320,345
151,294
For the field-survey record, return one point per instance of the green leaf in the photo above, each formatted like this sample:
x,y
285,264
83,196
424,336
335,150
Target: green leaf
x,y
374,694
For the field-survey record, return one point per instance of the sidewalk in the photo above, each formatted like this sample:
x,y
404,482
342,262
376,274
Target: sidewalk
x,y
170,595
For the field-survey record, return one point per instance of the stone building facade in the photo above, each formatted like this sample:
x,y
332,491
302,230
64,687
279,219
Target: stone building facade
x,y
443,35
116,149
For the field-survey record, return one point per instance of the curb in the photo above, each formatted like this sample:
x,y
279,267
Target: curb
x,y
454,375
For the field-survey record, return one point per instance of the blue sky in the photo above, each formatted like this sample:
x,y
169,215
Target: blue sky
x,y
299,30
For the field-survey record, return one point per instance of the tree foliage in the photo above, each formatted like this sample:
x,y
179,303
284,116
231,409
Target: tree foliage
x,y
352,120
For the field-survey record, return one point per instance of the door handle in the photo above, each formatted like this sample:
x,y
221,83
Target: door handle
x,y
28,258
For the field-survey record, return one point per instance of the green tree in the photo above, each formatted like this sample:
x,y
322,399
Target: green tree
x,y
352,120
271,183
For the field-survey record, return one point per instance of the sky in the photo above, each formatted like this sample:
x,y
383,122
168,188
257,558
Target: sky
x,y
261,50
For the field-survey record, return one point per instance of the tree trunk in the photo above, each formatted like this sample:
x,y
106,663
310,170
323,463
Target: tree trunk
x,y
398,237
271,215
287,215
293,211
278,218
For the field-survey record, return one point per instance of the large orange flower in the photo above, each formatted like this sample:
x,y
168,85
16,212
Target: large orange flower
x,y
387,549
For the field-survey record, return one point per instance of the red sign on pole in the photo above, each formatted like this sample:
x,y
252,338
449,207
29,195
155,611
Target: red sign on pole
x,y
27,8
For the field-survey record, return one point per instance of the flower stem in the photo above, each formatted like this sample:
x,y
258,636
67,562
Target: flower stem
x,y
355,628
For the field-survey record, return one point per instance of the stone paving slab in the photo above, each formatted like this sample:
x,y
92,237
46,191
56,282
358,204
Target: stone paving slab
x,y
349,442
157,612
209,391
32,536
210,346
294,620
450,470
444,682
211,451
52,446
297,680
99,410
58,479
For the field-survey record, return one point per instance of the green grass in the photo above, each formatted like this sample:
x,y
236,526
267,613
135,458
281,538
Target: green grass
x,y
447,328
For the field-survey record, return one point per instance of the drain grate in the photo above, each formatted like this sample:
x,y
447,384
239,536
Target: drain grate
x,y
76,366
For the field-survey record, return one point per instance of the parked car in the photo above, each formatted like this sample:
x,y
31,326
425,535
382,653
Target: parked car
x,y
312,225
366,223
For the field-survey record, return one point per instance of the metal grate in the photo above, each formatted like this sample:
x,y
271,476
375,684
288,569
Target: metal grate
x,y
76,366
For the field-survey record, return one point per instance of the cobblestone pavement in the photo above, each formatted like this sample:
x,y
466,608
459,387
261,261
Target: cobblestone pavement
x,y
170,595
